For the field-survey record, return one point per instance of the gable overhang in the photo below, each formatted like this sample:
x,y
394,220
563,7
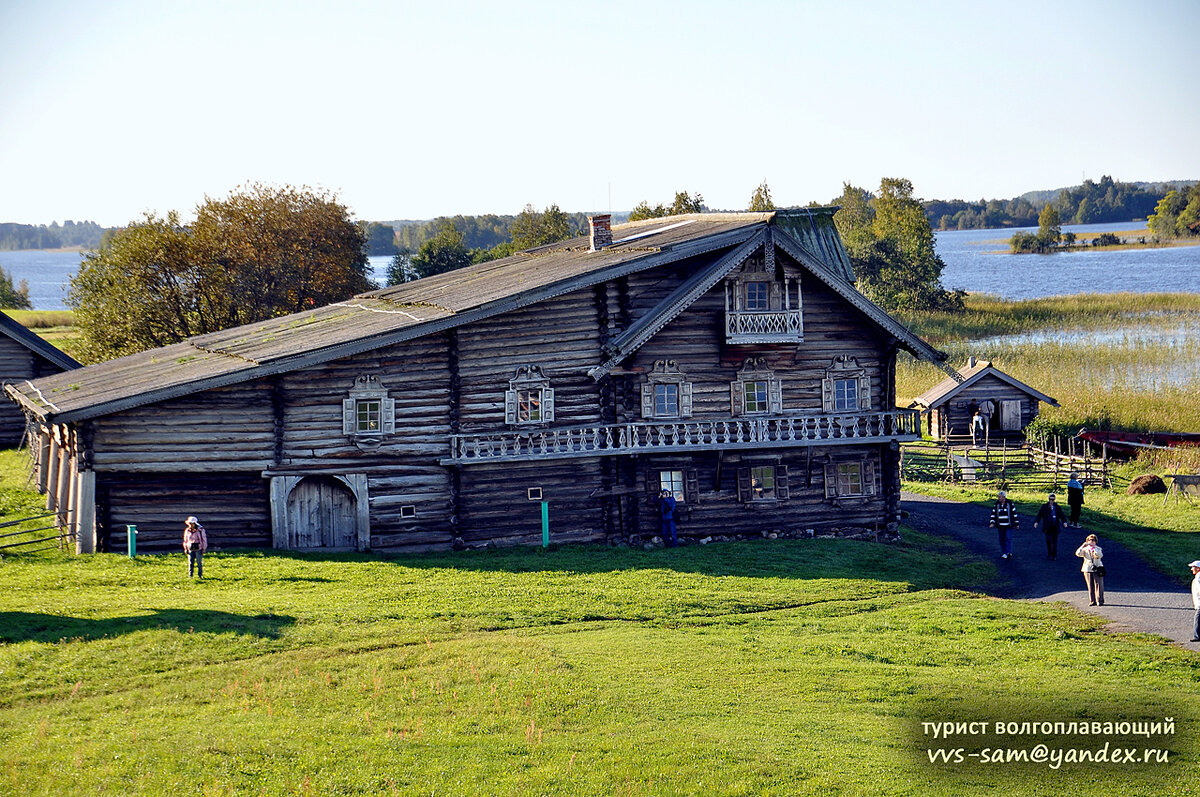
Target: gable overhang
x,y
27,338
48,413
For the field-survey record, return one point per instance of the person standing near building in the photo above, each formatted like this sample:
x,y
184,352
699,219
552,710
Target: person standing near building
x,y
987,408
978,429
1195,566
1052,520
1004,520
666,508
1074,498
195,543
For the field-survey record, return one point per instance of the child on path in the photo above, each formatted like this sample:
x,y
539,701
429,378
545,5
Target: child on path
x,y
195,543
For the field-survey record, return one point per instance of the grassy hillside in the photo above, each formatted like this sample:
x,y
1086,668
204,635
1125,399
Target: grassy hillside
x,y
766,667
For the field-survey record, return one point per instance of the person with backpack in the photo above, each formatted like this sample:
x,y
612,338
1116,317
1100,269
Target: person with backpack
x,y
1004,520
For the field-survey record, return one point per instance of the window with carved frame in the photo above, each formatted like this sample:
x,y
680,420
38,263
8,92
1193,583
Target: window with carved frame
x,y
529,400
667,393
846,386
850,478
756,391
368,414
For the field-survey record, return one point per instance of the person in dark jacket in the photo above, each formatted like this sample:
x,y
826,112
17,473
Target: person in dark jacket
x,y
1074,498
1004,520
666,508
1052,520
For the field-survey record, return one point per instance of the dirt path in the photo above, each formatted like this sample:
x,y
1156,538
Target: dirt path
x,y
1136,598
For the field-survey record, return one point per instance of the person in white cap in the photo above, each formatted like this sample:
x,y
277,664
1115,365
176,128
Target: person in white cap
x,y
1195,566
195,543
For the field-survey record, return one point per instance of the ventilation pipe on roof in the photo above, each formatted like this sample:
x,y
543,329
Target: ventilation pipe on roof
x,y
600,234
971,361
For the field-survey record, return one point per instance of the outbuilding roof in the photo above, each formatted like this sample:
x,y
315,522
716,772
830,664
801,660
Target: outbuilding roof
x,y
971,374
402,312
35,344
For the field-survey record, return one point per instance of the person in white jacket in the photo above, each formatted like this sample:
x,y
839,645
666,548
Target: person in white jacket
x,y
1093,568
1195,566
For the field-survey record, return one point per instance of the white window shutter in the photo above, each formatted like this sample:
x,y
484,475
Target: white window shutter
x,y
830,480
864,393
387,409
775,396
349,421
510,406
648,400
737,398
548,404
685,400
827,395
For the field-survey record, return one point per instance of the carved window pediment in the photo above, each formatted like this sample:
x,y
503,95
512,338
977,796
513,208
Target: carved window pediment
x,y
763,303
368,414
756,391
846,386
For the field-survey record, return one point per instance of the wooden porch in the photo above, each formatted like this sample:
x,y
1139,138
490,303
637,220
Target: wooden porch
x,y
649,437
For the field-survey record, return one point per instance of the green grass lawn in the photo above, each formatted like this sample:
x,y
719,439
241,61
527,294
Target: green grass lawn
x,y
766,667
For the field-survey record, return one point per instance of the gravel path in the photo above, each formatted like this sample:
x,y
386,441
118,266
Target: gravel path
x,y
1136,598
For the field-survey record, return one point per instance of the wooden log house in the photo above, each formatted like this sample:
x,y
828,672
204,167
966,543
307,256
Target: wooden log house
x,y
726,357
24,356
1009,404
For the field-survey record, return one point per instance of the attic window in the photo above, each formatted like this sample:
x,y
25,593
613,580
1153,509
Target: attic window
x,y
762,303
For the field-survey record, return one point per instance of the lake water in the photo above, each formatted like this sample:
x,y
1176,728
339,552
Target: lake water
x,y
976,260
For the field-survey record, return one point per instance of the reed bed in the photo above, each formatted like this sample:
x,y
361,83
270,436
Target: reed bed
x,y
1142,374
43,319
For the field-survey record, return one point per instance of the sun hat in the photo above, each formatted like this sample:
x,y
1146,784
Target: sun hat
x,y
1194,564
192,519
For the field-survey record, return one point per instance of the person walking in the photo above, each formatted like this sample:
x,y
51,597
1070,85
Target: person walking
x,y
1074,498
1004,521
1093,569
1195,566
1052,520
666,509
195,543
977,428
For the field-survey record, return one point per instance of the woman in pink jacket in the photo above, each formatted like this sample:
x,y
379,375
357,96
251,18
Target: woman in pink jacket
x,y
195,542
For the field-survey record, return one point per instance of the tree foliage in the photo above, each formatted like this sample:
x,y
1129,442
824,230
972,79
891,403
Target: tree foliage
x,y
444,252
760,200
684,203
532,228
892,248
13,297
381,238
53,236
259,253
1177,214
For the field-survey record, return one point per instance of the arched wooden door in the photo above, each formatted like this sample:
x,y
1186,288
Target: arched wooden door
x,y
322,513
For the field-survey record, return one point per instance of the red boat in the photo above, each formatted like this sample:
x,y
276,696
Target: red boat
x,y
1131,442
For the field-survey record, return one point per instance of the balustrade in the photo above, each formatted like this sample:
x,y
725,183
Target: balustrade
x,y
684,435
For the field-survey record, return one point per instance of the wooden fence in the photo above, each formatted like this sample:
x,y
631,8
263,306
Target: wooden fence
x,y
1043,466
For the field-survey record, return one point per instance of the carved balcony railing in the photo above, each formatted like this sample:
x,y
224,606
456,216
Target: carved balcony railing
x,y
779,431
753,326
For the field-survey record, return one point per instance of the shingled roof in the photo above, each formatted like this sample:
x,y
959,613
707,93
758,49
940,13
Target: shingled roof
x,y
402,312
970,374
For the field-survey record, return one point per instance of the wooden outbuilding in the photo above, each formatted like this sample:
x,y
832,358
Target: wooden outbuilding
x,y
1007,404
727,358
24,356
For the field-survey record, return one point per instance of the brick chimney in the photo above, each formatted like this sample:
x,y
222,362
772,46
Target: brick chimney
x,y
601,232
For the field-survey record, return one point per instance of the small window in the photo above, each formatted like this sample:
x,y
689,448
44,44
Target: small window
x,y
849,476
666,401
529,406
666,392
758,295
672,480
368,412
534,493
408,511
762,483
845,395
756,396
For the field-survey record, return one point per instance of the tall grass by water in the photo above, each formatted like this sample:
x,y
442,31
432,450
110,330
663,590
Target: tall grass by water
x,y
1126,361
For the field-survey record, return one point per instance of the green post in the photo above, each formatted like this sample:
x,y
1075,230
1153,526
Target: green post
x,y
545,524
132,536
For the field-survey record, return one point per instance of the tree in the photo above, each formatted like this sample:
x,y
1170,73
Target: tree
x,y
400,269
760,200
892,248
13,297
259,253
381,238
684,203
1049,227
531,228
441,253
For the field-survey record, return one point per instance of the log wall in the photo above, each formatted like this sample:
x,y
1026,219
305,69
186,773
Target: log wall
x,y
17,364
954,416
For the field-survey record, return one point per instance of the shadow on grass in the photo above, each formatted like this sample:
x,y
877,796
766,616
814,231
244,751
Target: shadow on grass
x,y
924,562
34,627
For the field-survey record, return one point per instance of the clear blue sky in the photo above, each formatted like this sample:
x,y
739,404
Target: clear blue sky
x,y
414,110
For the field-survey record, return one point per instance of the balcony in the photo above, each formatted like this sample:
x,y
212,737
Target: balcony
x,y
768,326
652,437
